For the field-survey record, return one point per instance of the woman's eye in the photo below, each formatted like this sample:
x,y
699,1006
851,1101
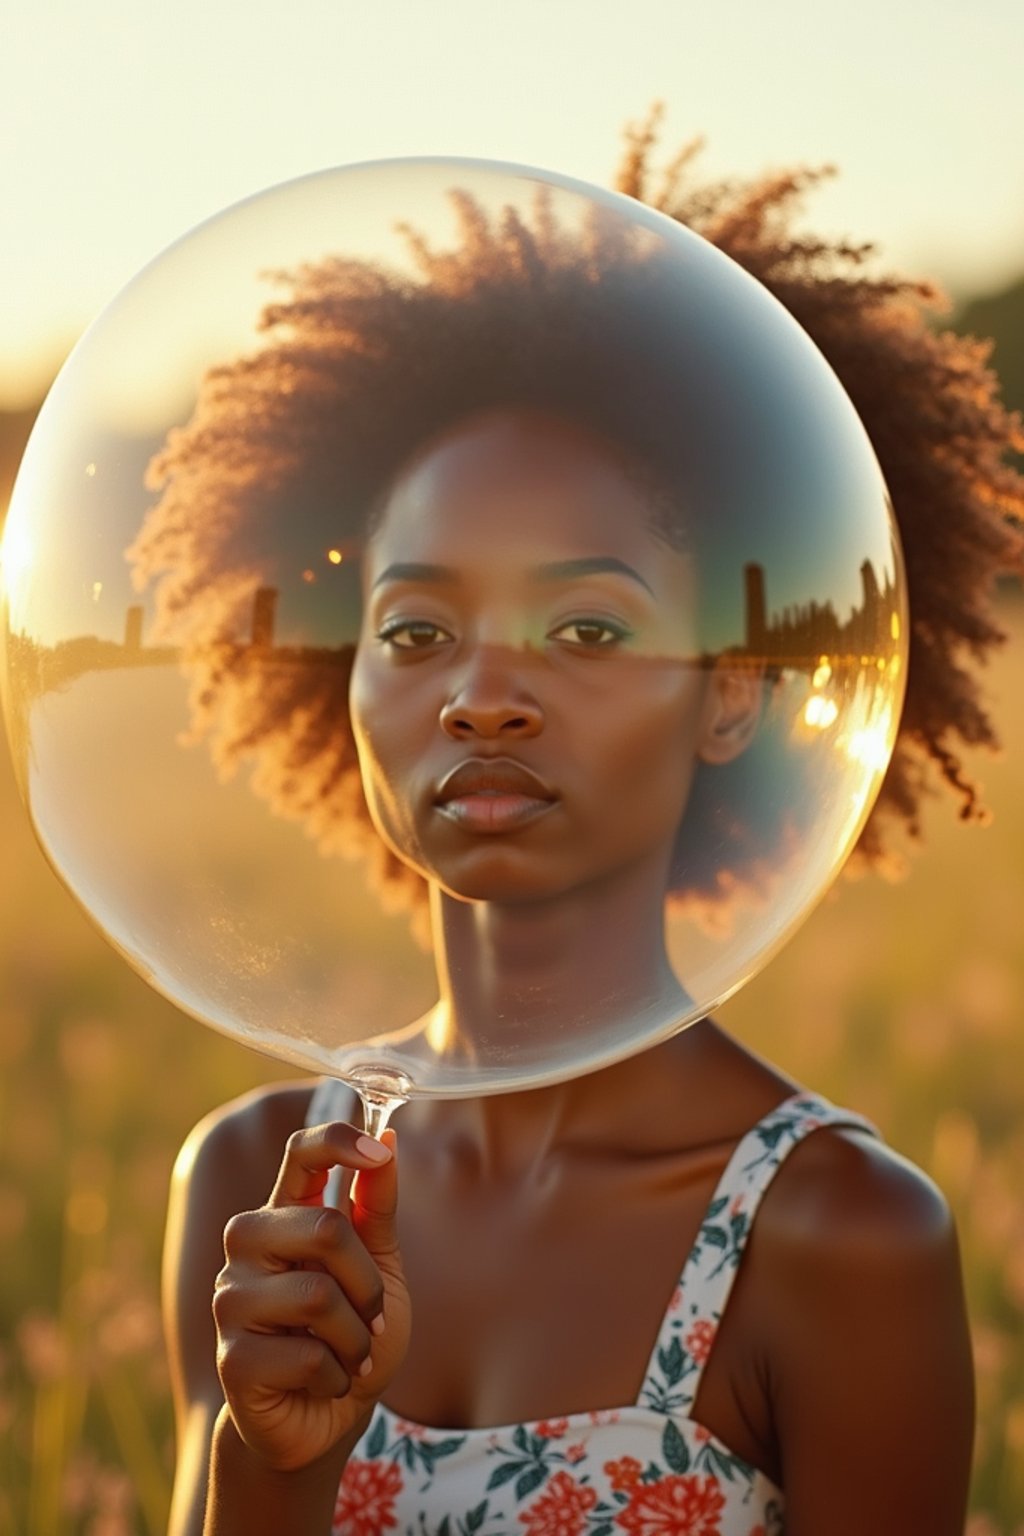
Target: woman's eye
x,y
412,634
591,632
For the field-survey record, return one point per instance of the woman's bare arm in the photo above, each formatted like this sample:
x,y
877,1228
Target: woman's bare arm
x,y
228,1164
311,1317
869,1361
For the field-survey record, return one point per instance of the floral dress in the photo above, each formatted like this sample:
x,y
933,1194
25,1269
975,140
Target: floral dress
x,y
647,1469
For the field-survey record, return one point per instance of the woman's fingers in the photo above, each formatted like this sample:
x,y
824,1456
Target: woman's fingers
x,y
309,1157
281,1363
311,1154
374,1202
307,1299
319,1238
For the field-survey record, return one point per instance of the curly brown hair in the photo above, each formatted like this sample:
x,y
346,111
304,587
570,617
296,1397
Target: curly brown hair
x,y
932,409
301,421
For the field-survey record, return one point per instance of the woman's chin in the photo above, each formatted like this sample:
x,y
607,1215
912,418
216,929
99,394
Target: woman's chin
x,y
505,888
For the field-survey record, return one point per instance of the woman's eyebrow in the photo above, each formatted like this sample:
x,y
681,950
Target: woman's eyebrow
x,y
591,565
415,570
555,570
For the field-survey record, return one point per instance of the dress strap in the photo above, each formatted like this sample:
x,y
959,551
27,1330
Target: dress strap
x,y
695,1311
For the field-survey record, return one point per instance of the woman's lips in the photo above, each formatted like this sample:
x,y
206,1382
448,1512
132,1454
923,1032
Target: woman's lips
x,y
490,812
493,795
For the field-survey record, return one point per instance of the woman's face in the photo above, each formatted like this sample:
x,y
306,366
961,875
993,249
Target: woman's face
x,y
525,696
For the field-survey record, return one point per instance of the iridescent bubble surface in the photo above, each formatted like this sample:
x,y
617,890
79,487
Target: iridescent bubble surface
x,y
454,627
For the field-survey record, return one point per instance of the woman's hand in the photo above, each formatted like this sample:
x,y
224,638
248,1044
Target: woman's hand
x,y
311,1308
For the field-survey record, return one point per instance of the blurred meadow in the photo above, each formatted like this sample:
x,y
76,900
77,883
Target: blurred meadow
x,y
903,1001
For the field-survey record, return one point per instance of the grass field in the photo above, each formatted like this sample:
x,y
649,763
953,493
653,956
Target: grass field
x,y
905,1002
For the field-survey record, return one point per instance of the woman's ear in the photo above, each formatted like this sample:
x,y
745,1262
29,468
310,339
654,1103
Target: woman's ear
x,y
732,709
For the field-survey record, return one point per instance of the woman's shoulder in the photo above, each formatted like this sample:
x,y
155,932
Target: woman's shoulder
x,y
853,1313
248,1132
837,1189
844,1192
228,1163
856,1263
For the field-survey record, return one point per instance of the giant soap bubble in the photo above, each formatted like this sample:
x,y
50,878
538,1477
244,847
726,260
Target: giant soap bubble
x,y
454,626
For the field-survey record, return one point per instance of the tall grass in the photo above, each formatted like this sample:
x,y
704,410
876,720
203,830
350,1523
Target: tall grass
x,y
906,1002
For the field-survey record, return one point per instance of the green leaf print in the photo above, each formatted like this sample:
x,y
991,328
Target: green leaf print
x,y
716,1207
671,1361
377,1438
771,1135
476,1517
530,1480
728,1466
504,1474
446,1447
716,1236
673,1448
773,1519
426,1456
468,1525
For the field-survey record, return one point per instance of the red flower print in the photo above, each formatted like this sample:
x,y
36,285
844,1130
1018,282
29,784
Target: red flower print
x,y
675,1506
603,1415
624,1473
409,1430
700,1339
366,1499
758,1530
677,1299
701,1434
736,1206
561,1510
552,1429
575,1452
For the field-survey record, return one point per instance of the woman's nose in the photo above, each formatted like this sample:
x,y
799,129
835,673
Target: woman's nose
x,y
491,701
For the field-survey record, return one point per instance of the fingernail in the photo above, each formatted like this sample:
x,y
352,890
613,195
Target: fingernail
x,y
367,1147
366,1367
377,1326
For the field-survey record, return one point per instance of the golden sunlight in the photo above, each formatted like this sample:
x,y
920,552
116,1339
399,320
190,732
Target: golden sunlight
x,y
16,555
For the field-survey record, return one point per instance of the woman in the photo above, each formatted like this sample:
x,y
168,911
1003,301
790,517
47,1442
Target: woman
x,y
560,1377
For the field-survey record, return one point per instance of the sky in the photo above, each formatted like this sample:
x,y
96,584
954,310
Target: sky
x,y
124,125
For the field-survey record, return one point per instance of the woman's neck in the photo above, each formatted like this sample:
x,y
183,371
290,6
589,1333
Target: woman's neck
x,y
586,960
590,970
